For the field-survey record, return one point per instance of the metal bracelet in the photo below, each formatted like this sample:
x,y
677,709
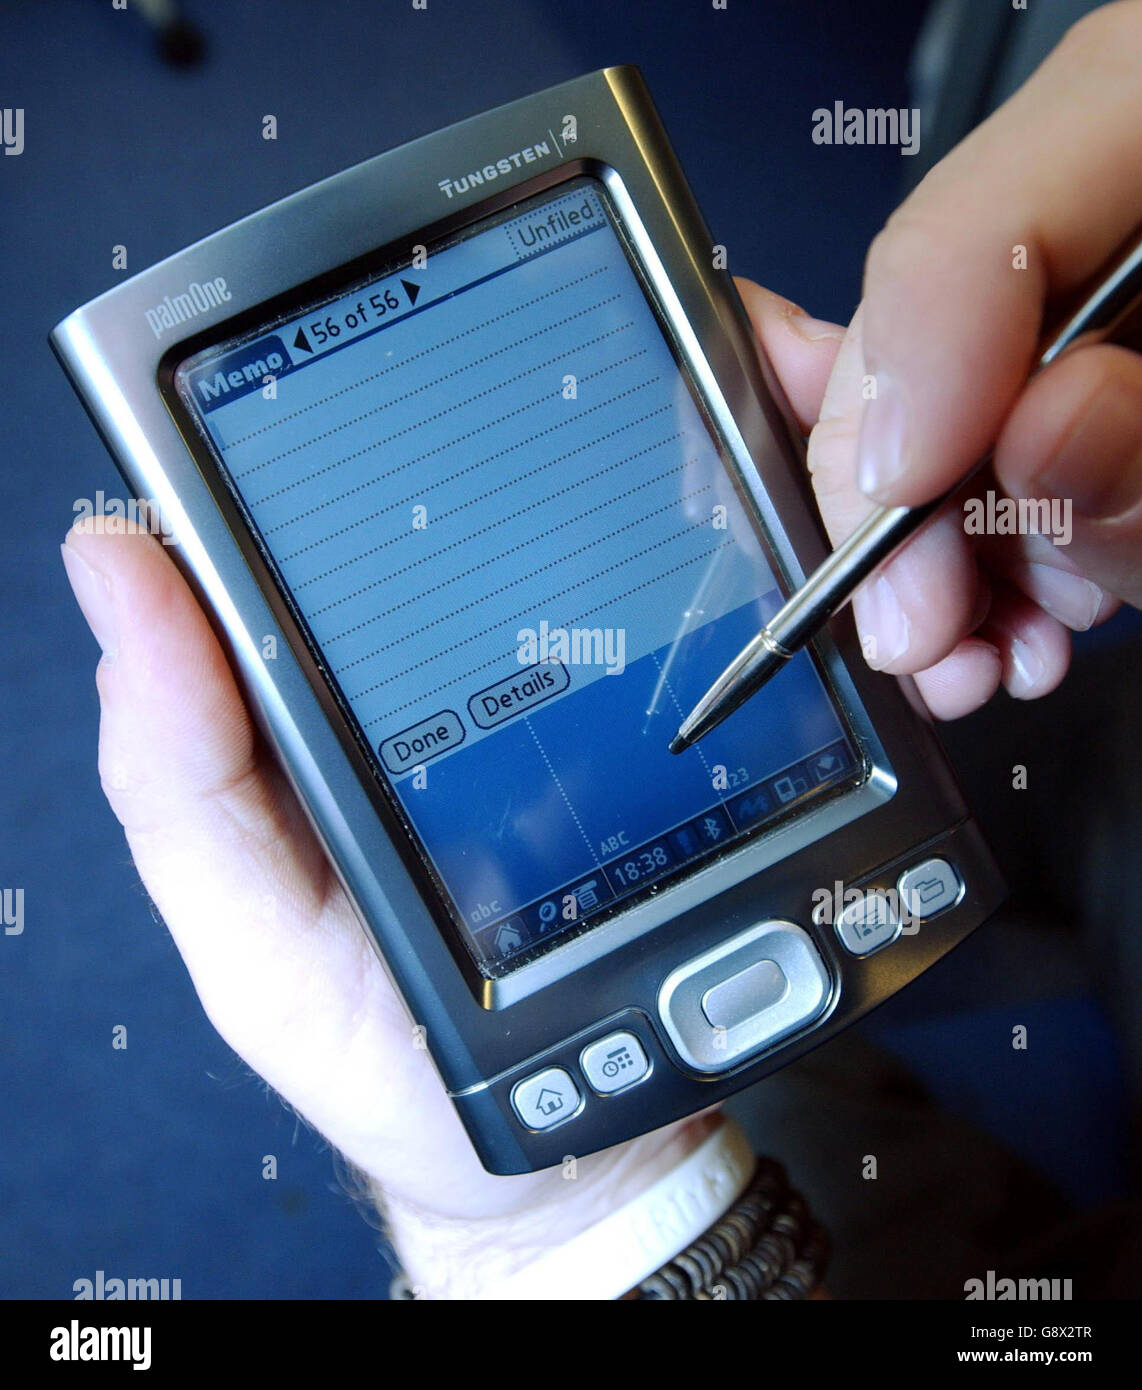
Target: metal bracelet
x,y
766,1247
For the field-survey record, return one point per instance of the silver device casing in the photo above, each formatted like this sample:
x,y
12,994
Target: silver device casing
x,y
484,1034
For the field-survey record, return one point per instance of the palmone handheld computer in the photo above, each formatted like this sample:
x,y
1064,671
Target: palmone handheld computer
x,y
470,452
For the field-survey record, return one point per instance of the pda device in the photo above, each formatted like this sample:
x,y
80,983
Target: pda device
x,y
472,454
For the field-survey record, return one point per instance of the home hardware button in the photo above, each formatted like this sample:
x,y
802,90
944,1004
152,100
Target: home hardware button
x,y
546,1099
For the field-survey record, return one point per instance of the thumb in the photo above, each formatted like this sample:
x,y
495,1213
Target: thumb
x,y
281,966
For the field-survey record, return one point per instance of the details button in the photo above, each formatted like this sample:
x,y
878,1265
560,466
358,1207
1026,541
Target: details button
x,y
518,694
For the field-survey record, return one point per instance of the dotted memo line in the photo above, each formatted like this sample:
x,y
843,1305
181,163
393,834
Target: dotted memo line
x,y
459,473
406,361
495,559
466,401
496,660
563,793
682,713
514,617
505,588
511,516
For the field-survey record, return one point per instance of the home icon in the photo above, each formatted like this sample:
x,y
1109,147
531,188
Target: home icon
x,y
548,1101
508,937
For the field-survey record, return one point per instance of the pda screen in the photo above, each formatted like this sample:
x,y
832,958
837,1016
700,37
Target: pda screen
x,y
501,514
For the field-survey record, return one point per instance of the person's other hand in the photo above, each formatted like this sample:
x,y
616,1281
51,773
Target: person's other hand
x,y
947,328
281,965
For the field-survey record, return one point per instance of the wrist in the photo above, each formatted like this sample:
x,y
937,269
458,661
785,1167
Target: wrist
x,y
446,1257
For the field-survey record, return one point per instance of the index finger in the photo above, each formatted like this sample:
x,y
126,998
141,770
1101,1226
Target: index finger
x,y
1029,206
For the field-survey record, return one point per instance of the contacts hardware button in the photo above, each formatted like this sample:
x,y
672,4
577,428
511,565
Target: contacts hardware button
x,y
868,922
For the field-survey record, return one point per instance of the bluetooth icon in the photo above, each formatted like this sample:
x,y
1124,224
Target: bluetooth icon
x,y
711,829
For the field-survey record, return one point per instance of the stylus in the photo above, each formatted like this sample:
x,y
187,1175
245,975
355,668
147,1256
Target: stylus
x,y
1102,311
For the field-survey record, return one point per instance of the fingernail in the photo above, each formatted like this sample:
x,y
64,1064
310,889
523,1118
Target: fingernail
x,y
813,330
884,628
92,592
1096,467
1026,670
1069,597
881,449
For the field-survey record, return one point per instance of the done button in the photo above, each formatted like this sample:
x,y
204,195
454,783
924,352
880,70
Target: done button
x,y
422,742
